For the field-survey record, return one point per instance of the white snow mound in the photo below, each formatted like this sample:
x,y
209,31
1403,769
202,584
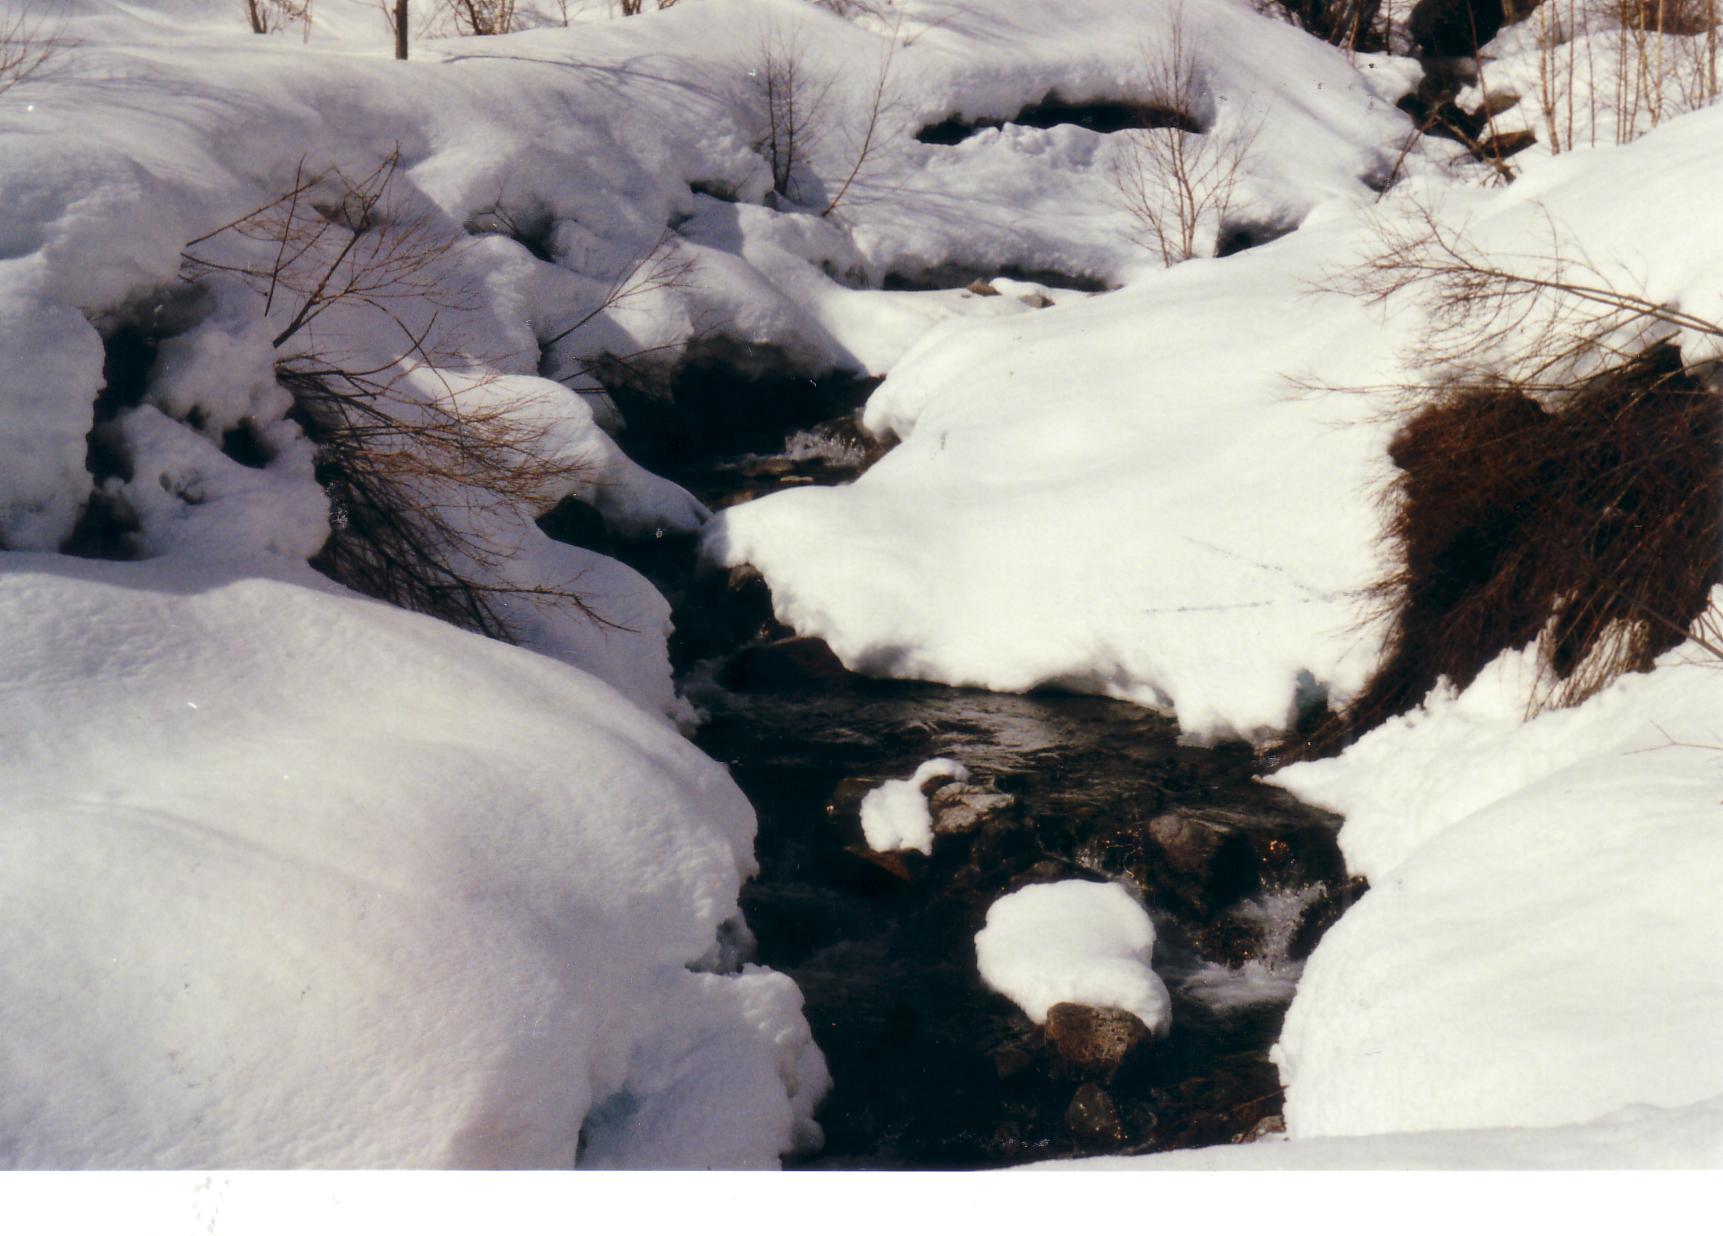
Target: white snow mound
x,y
1073,942
292,879
896,816
1539,944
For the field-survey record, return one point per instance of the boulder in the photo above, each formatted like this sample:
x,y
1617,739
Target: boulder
x,y
1198,862
962,807
1093,1119
1095,1040
798,662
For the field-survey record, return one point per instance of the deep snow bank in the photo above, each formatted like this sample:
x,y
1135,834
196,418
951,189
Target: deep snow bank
x,y
1123,496
151,133
1539,945
1168,494
294,879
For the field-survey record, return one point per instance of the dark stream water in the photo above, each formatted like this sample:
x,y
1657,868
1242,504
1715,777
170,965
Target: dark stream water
x,y
930,1068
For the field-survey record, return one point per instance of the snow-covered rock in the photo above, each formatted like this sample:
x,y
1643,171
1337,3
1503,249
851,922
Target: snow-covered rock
x,y
1073,942
896,816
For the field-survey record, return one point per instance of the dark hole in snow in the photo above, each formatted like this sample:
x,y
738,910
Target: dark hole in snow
x,y
574,522
1236,237
530,228
104,530
1455,27
951,275
709,410
128,355
714,188
243,445
1097,115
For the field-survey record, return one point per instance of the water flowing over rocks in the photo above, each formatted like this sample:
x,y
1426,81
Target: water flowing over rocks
x,y
1059,787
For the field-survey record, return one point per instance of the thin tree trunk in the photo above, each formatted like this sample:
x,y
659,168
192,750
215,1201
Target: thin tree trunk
x,y
400,29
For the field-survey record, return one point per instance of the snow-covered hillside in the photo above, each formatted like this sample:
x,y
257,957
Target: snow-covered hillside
x,y
294,878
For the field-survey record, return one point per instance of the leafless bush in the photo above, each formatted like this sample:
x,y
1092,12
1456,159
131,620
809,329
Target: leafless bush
x,y
790,101
275,16
29,46
1615,70
1541,320
633,8
483,17
1177,182
423,461
1560,474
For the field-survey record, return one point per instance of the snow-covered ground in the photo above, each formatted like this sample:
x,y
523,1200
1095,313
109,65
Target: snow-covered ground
x,y
292,878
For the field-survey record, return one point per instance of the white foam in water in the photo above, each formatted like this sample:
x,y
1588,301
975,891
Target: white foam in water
x,y
814,444
1268,979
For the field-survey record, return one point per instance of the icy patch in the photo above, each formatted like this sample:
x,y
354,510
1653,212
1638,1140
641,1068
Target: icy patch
x,y
1073,942
895,816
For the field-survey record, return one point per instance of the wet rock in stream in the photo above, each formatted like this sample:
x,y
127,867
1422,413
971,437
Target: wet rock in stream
x,y
1095,1040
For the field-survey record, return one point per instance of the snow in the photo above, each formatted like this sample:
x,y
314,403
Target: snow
x,y
1582,80
296,879
1078,502
895,816
1639,1138
306,881
1074,942
1538,945
1168,494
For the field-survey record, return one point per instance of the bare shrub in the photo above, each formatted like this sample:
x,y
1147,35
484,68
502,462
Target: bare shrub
x,y
791,105
1562,484
1176,181
275,16
483,17
29,46
422,460
790,101
1613,71
1594,525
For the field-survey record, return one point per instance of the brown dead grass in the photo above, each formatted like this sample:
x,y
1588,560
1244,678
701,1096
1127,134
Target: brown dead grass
x,y
1596,524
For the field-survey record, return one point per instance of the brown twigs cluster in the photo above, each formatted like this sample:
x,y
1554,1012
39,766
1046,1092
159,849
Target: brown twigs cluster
x,y
275,16
791,101
29,47
1609,72
429,465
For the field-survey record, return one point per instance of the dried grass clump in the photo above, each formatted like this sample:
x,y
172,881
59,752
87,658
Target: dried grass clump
x,y
1595,522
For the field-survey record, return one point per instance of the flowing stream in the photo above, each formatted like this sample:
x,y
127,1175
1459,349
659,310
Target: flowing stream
x,y
930,1068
